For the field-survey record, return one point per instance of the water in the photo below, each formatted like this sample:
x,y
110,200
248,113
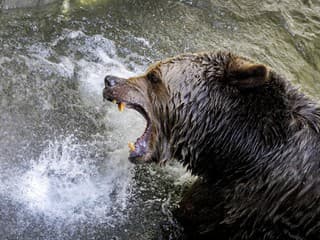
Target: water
x,y
63,152
8,4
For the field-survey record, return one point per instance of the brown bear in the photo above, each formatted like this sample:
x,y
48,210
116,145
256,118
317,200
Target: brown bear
x,y
251,137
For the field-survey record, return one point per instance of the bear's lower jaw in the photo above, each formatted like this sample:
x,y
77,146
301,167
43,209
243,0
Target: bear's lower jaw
x,y
138,151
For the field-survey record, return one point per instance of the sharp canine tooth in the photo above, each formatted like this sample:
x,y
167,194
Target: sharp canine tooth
x,y
121,106
114,101
131,146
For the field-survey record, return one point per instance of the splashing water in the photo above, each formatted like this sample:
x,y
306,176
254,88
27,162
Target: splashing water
x,y
70,173
67,183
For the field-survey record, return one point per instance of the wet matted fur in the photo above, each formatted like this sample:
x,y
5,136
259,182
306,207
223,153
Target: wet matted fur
x,y
246,131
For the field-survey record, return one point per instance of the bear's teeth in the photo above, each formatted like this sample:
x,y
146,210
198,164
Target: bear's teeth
x,y
121,106
131,146
114,101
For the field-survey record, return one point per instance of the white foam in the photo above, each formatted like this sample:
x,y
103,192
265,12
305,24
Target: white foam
x,y
66,183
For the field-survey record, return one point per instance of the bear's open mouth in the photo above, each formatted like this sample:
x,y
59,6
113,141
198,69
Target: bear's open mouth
x,y
140,147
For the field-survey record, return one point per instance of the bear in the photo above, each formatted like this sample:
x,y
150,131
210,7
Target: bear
x,y
250,136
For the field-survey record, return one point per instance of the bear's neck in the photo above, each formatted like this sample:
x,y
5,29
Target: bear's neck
x,y
211,144
215,141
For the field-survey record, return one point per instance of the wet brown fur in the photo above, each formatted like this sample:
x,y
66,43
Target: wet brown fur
x,y
247,132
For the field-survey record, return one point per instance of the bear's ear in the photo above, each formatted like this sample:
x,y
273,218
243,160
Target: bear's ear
x,y
245,74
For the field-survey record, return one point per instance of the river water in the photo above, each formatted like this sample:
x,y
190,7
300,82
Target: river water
x,y
63,152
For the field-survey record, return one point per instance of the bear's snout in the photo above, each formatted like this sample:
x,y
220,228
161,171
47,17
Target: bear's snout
x,y
111,81
115,88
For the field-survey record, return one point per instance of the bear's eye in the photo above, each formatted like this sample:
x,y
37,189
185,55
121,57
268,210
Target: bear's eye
x,y
152,77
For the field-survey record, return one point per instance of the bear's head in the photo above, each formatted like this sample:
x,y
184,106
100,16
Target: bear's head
x,y
202,109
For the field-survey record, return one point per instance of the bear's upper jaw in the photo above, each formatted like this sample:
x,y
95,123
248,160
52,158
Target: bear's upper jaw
x,y
139,149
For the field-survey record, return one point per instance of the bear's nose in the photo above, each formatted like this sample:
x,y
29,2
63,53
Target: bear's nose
x,y
111,81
